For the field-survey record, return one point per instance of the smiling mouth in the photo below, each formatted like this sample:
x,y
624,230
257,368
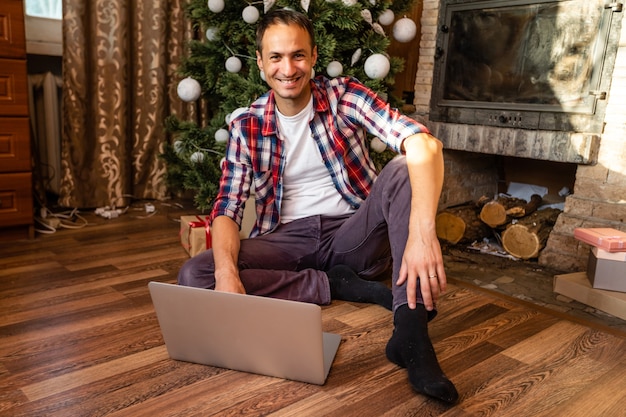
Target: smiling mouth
x,y
288,81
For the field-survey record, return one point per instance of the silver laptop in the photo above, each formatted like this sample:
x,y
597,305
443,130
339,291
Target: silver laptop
x,y
248,333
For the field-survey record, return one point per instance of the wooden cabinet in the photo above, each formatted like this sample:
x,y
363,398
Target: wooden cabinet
x,y
16,199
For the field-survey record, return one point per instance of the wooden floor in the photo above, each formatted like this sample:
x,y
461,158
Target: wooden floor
x,y
79,337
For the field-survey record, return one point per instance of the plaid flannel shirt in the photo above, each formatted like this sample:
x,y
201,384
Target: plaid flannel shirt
x,y
345,110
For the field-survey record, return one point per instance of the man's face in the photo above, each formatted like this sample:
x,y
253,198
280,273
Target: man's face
x,y
287,60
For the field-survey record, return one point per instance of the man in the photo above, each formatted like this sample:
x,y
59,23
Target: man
x,y
325,229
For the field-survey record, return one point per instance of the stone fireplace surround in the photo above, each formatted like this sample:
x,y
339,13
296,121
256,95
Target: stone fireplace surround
x,y
599,194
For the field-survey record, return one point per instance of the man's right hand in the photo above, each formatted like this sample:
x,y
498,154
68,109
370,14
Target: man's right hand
x,y
230,284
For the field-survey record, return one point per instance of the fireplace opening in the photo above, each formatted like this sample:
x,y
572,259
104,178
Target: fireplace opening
x,y
557,178
472,176
502,205
527,64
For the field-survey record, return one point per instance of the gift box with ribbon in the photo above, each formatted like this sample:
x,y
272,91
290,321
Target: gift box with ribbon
x,y
195,234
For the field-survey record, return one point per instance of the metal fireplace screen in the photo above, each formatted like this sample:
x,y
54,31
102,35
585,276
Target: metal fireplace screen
x,y
536,65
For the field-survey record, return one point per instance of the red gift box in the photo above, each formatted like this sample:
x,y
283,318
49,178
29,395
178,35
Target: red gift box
x,y
195,234
606,238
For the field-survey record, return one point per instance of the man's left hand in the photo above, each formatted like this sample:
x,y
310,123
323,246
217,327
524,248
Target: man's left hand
x,y
422,265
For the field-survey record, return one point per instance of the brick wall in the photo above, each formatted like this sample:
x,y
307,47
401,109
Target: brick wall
x,y
599,195
599,198
467,175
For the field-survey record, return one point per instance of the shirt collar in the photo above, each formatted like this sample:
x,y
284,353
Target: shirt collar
x,y
320,104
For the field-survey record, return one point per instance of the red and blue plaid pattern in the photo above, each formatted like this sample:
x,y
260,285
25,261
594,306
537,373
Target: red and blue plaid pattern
x,y
345,111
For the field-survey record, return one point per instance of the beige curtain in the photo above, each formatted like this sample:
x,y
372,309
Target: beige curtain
x,y
119,84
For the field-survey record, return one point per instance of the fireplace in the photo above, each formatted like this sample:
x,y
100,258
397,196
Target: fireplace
x,y
530,65
534,81
542,67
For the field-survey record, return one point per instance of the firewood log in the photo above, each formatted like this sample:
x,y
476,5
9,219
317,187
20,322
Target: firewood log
x,y
526,237
526,209
499,212
493,214
460,224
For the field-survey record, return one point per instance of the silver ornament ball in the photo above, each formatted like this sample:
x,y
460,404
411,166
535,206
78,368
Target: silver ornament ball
x,y
377,66
334,69
178,147
386,17
211,34
250,14
216,6
188,89
221,135
197,157
404,30
233,64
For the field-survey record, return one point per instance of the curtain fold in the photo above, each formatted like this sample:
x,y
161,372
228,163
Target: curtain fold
x,y
119,84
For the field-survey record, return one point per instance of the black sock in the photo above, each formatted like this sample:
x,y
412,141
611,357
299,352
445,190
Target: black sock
x,y
346,285
410,347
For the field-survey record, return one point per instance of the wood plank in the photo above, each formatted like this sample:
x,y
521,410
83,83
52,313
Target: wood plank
x,y
65,382
125,260
482,332
12,302
20,336
317,404
30,269
606,396
555,338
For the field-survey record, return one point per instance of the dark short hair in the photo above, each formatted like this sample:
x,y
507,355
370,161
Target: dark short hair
x,y
285,17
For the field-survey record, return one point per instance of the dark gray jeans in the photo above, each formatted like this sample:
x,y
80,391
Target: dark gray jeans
x,y
289,262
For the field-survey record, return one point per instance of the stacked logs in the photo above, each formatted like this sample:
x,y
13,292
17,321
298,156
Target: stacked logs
x,y
519,226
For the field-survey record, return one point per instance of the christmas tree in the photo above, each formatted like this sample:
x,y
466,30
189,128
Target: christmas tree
x,y
352,38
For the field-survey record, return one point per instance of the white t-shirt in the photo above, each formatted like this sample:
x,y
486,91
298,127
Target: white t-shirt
x,y
308,188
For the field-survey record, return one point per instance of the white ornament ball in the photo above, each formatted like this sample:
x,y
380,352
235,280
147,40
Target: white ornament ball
x,y
221,135
233,64
386,18
404,30
188,89
178,147
378,145
377,66
197,157
250,14
216,6
262,75
334,69
211,34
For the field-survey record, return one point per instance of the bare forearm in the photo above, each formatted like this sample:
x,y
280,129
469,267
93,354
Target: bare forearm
x,y
422,262
226,244
425,164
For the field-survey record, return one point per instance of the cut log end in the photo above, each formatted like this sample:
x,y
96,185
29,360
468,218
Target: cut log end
x,y
493,214
520,242
450,228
